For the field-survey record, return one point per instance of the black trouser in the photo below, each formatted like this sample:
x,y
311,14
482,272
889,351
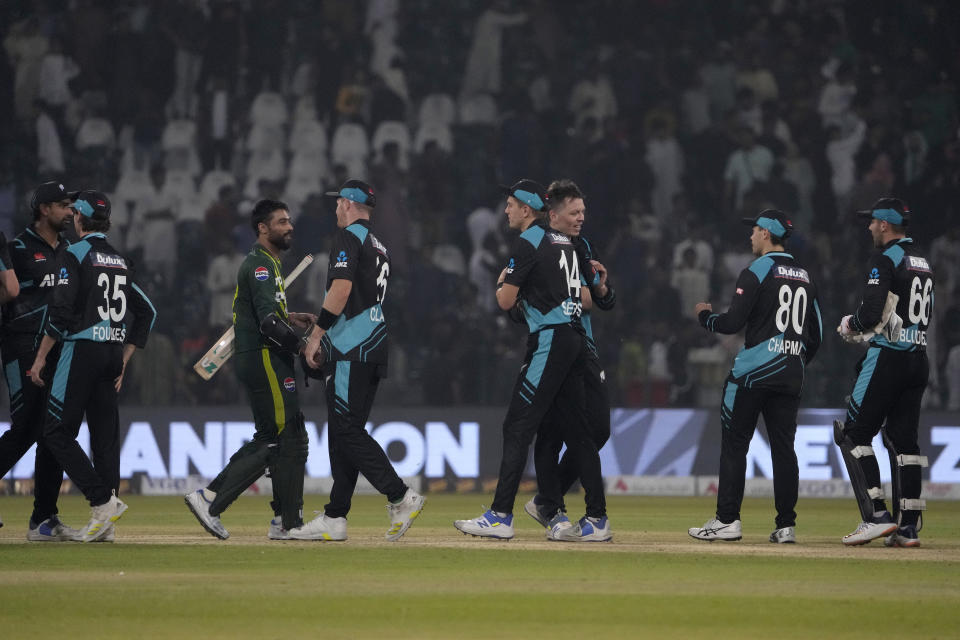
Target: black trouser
x,y
350,390
268,378
889,386
84,385
552,373
598,422
28,406
738,416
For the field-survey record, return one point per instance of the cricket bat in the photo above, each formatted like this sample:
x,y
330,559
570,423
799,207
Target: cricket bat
x,y
222,349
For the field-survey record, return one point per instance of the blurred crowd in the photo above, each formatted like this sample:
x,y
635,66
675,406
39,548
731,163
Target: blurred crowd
x,y
676,118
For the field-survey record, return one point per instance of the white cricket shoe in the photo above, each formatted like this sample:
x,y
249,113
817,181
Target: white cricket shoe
x,y
321,528
561,529
713,529
51,530
784,535
403,514
534,512
488,525
276,530
200,507
102,519
594,529
867,531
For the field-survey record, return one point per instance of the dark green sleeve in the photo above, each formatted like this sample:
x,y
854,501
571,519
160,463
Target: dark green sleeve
x,y
266,287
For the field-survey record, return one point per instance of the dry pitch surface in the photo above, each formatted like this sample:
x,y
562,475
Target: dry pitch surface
x,y
165,577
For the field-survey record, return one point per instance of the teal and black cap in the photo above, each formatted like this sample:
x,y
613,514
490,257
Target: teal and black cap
x,y
892,210
774,221
91,204
529,193
357,191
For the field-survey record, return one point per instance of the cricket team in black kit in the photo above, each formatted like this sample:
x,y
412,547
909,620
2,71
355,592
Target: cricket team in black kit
x,y
79,315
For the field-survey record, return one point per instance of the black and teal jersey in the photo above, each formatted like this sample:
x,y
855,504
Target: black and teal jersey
x,y
898,269
776,300
546,268
259,293
587,251
37,266
98,299
360,333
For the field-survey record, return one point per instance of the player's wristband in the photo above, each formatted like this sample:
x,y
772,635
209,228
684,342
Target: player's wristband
x,y
326,319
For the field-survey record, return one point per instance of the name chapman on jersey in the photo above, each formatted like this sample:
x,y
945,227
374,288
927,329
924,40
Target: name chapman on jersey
x,y
786,347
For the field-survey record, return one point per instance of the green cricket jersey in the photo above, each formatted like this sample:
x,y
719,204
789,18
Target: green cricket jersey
x,y
259,292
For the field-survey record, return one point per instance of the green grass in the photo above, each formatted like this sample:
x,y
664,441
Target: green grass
x,y
166,578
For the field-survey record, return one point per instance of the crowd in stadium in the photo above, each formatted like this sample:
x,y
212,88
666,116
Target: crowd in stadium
x,y
676,118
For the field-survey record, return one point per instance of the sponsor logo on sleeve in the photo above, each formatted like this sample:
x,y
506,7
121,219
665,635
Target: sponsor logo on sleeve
x,y
290,384
739,291
511,265
874,276
261,273
341,260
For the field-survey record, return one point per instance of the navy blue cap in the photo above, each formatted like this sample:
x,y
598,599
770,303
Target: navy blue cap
x,y
892,210
357,191
48,192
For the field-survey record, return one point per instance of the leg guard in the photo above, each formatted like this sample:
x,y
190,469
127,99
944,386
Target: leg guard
x,y
851,455
906,482
245,466
287,470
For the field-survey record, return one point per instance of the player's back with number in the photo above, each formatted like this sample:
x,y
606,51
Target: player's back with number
x,y
360,332
546,269
776,300
96,298
901,270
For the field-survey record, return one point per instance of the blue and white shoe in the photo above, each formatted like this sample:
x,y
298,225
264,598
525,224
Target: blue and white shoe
x,y
51,530
276,530
561,529
489,525
906,536
595,529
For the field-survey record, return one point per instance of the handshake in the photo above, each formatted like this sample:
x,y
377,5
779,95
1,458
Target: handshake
x,y
889,325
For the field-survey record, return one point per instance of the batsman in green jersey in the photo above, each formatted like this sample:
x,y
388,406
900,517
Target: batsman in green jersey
x,y
265,347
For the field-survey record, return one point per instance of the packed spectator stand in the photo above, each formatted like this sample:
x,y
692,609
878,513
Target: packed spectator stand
x,y
675,117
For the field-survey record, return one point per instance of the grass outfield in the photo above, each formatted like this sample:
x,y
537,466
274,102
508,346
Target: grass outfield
x,y
166,578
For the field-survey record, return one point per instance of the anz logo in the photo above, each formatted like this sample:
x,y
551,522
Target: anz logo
x,y
874,276
511,265
63,276
341,260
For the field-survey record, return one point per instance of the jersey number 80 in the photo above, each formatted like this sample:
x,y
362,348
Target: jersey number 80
x,y
792,309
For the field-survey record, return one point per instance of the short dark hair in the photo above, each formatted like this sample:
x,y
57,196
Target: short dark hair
x,y
90,224
560,190
262,211
899,229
